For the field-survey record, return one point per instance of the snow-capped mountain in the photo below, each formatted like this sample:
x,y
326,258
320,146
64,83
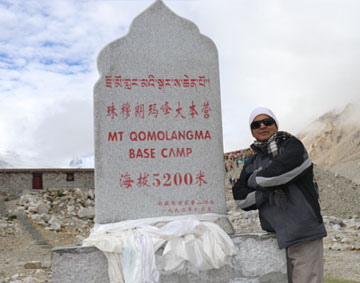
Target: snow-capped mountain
x,y
85,161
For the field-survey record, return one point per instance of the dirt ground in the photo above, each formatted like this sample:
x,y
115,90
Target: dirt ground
x,y
18,250
342,264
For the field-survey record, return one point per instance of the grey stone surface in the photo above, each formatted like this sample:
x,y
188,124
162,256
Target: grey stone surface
x,y
86,212
80,265
153,160
225,224
258,260
42,208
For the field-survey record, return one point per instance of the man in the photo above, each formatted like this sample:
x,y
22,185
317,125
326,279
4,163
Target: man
x,y
278,180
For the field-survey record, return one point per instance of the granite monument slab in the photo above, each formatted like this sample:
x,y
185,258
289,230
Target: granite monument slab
x,y
157,118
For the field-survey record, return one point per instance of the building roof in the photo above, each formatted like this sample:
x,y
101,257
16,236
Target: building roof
x,y
42,170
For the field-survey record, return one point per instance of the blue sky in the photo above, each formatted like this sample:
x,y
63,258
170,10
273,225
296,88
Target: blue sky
x,y
300,58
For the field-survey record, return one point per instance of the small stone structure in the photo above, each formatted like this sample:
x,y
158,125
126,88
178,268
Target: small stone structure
x,y
258,260
16,181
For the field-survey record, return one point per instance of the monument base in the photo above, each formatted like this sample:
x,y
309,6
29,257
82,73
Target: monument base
x,y
258,259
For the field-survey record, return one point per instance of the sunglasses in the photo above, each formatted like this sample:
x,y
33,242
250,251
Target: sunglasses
x,y
257,124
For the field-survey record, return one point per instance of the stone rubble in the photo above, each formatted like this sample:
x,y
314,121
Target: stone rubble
x,y
8,227
70,210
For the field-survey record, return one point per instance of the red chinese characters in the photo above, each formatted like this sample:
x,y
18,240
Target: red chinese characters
x,y
200,179
165,108
193,111
154,110
140,111
111,111
206,110
186,206
126,181
178,111
125,110
165,180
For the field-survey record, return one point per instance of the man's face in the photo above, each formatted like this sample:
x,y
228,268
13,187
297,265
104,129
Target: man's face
x,y
264,132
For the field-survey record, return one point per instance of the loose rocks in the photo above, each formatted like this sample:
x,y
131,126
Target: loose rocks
x,y
60,209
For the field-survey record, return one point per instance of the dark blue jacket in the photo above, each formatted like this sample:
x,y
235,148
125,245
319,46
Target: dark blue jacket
x,y
290,173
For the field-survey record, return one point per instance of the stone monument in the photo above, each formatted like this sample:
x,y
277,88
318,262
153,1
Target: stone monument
x,y
158,148
158,131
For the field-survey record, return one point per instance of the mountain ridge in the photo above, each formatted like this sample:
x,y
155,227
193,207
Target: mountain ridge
x,y
333,141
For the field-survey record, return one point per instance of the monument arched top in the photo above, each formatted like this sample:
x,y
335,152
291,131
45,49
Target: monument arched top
x,y
159,12
157,30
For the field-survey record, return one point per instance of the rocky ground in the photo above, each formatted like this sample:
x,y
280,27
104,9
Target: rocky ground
x,y
61,217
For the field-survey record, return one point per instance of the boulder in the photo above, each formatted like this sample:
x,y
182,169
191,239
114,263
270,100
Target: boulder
x,y
55,223
27,198
80,195
336,247
87,213
56,226
42,208
46,217
91,194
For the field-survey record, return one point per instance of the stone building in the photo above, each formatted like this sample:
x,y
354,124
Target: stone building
x,y
15,181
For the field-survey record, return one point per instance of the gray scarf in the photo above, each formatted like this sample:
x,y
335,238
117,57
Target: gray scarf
x,y
271,145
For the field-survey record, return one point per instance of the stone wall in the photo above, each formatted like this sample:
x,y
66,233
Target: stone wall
x,y
82,179
16,181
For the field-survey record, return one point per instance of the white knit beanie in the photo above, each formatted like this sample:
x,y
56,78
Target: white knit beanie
x,y
262,110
